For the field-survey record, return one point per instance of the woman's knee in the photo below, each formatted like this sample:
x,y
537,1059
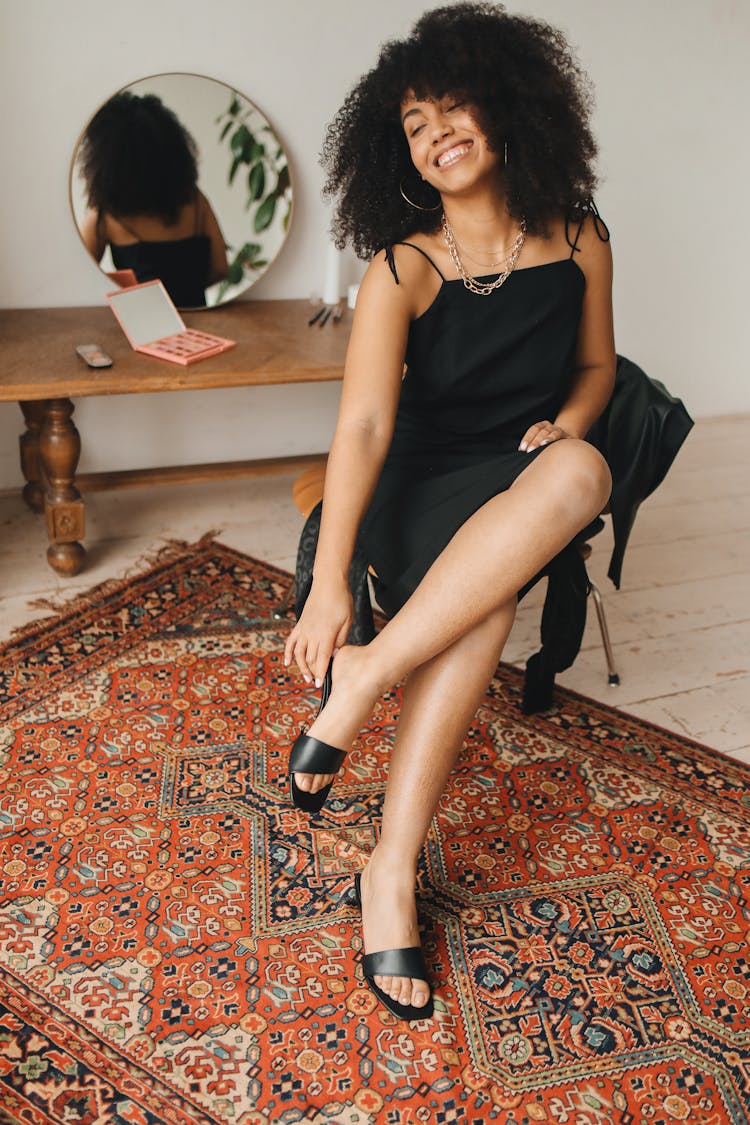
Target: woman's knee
x,y
582,474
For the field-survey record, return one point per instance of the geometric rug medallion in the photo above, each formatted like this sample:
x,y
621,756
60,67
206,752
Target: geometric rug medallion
x,y
175,943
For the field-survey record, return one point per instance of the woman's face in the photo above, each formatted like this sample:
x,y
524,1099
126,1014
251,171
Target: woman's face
x,y
447,146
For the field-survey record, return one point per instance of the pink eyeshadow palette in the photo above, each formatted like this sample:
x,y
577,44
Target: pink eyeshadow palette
x,y
154,327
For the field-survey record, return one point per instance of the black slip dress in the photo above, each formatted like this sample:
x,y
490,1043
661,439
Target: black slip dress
x,y
480,371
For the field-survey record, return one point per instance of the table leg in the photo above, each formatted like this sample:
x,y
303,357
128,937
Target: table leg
x,y
59,449
31,466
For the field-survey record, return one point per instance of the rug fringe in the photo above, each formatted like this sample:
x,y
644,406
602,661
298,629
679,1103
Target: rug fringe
x,y
68,603
170,550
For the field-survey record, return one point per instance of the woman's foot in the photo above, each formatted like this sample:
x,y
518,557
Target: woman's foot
x,y
389,921
353,696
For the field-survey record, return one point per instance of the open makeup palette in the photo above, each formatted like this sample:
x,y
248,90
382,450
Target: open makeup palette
x,y
153,325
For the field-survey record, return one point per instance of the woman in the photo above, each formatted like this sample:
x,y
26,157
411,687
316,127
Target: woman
x,y
140,168
466,154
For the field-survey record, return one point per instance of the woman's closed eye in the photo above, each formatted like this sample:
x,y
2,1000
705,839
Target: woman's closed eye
x,y
448,109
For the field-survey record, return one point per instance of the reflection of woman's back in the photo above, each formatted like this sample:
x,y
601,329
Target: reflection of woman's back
x,y
183,264
139,164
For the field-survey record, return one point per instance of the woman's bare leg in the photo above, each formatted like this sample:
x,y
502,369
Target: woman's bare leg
x,y
440,699
504,544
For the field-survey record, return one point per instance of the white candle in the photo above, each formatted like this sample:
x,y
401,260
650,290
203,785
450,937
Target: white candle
x,y
332,284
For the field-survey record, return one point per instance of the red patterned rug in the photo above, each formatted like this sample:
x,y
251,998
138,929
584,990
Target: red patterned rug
x,y
174,944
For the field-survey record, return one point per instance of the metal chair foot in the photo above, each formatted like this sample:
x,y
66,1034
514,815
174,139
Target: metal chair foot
x,y
614,676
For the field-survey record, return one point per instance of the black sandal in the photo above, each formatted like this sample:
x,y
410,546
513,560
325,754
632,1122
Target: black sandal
x,y
408,962
310,755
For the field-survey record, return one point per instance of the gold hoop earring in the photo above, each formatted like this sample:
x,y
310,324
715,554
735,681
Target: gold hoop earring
x,y
416,206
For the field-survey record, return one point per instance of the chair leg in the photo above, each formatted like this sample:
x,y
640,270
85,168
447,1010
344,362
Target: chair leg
x,y
614,677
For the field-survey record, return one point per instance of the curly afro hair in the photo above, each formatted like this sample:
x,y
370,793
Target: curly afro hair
x,y
525,88
137,158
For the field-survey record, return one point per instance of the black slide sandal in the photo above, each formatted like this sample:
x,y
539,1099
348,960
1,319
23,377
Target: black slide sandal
x,y
408,962
310,755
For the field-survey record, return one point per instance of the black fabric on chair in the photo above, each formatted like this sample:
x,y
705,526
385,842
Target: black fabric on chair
x,y
639,436
563,622
363,626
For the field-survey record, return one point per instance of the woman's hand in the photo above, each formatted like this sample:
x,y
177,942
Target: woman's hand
x,y
542,433
323,627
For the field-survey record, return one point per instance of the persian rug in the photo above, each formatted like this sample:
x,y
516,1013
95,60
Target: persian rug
x,y
175,943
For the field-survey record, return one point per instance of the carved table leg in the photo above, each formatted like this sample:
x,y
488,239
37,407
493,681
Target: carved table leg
x,y
31,466
60,448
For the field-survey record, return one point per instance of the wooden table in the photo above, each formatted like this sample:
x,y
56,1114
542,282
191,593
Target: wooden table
x,y
39,369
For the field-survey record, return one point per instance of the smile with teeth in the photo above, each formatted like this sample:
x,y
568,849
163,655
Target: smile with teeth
x,y
451,155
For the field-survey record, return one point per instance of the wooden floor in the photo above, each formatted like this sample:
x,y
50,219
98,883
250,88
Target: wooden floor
x,y
680,625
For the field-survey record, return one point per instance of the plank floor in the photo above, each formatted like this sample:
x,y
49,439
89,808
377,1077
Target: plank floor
x,y
680,625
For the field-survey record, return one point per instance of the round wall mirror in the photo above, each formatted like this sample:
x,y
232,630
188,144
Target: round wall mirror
x,y
181,177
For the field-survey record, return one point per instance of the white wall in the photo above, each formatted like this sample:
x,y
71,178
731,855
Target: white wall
x,y
672,97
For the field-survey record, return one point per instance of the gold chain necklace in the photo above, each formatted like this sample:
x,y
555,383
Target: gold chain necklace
x,y
482,290
464,253
500,255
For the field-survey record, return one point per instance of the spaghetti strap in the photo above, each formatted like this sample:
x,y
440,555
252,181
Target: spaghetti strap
x,y
579,218
392,262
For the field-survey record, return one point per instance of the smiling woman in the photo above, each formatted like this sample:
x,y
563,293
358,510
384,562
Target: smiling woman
x,y
521,86
465,155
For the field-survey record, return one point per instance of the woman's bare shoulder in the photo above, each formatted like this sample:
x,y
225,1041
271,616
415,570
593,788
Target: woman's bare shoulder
x,y
379,288
591,238
409,266
584,227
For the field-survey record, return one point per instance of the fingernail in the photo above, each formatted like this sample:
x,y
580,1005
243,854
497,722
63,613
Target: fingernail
x,y
522,447
307,679
318,683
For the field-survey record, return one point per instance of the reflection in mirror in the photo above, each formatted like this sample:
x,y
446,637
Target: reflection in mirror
x,y
181,177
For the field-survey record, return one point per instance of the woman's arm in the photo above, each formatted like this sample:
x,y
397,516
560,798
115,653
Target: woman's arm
x,y
209,225
372,384
594,372
93,235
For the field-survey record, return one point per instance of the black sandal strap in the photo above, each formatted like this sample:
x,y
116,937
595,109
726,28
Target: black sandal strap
x,y
396,963
310,755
